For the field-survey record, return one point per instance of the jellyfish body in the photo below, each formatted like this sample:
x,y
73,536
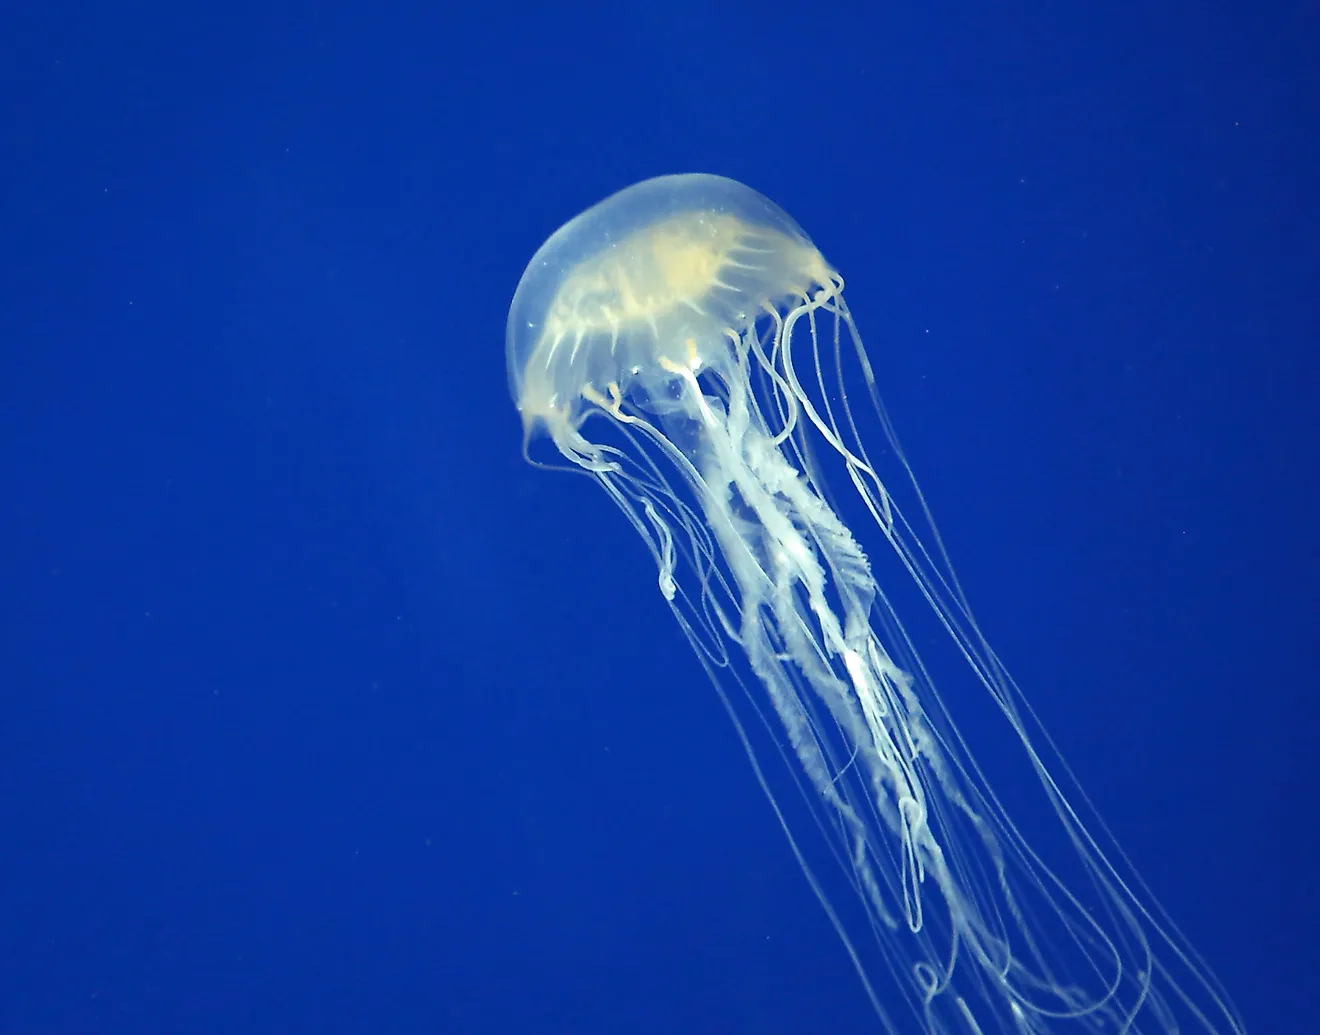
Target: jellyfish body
x,y
694,324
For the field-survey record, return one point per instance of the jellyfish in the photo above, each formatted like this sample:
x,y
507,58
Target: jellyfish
x,y
685,344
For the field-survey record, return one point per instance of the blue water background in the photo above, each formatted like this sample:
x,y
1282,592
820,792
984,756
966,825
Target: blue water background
x,y
320,711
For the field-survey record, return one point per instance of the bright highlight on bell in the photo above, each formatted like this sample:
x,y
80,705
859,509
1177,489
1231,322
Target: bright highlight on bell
x,y
686,343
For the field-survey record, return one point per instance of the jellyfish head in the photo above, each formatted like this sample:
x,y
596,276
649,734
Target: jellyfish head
x,y
661,281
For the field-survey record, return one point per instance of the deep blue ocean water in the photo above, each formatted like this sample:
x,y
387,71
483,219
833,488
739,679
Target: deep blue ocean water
x,y
321,711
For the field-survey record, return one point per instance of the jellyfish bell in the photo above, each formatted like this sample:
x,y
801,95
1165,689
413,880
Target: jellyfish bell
x,y
666,274
687,345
